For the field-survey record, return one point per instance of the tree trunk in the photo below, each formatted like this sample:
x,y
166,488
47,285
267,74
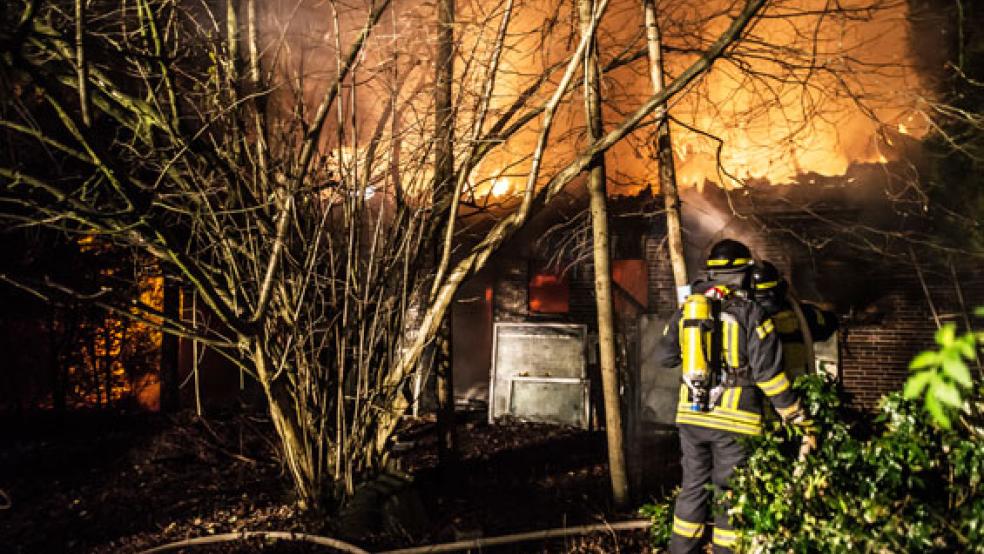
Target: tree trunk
x,y
298,458
664,150
444,186
602,269
170,383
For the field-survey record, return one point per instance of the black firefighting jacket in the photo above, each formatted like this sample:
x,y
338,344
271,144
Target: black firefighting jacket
x,y
750,340
822,325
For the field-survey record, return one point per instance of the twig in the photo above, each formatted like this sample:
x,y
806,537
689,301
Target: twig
x,y
964,312
925,288
218,444
5,501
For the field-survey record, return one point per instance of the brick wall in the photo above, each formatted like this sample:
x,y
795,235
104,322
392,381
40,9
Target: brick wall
x,y
875,354
662,291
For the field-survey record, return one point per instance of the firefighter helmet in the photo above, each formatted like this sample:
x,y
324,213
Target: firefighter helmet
x,y
729,256
768,285
765,276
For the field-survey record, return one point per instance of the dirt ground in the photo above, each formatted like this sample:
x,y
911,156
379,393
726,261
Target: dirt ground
x,y
123,483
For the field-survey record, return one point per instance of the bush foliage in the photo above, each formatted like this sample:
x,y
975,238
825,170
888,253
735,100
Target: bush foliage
x,y
912,482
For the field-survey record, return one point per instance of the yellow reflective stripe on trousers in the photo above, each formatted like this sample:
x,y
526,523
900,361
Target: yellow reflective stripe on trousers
x,y
687,529
725,537
774,386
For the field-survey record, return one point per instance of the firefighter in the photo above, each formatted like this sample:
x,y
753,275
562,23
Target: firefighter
x,y
770,290
719,328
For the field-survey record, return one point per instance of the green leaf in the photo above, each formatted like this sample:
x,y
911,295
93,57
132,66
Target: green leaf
x,y
936,410
928,358
957,369
946,334
966,345
948,394
979,311
916,383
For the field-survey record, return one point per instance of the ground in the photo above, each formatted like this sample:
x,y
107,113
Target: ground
x,y
122,483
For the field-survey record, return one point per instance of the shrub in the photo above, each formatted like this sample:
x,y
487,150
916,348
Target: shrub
x,y
912,482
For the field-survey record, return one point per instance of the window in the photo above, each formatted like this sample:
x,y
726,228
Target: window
x,y
549,294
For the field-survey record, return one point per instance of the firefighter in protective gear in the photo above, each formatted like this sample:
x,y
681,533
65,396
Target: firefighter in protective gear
x,y
770,290
747,356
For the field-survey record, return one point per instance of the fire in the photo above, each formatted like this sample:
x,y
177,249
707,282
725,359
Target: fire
x,y
500,186
819,111
810,91
777,122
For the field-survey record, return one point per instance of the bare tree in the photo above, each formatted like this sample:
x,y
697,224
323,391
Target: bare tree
x,y
664,149
598,193
294,203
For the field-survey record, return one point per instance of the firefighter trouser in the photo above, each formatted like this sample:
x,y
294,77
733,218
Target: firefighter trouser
x,y
709,456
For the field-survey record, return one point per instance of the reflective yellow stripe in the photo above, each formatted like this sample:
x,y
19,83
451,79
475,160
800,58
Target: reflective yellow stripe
x,y
717,421
764,329
683,394
687,529
730,427
735,262
726,397
739,415
779,379
722,413
735,399
788,410
776,385
725,537
733,352
766,285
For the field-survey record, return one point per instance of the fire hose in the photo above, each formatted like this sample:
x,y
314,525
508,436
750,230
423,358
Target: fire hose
x,y
809,441
469,544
